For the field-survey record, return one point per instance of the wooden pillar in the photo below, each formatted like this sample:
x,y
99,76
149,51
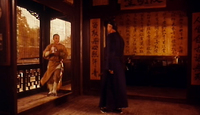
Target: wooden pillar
x,y
76,59
8,89
44,38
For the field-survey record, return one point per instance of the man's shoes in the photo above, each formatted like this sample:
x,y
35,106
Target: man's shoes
x,y
54,94
51,94
118,110
103,110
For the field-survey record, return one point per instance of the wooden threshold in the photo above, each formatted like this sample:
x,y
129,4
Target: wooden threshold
x,y
41,100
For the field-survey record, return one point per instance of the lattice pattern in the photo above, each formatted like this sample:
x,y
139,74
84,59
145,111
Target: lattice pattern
x,y
28,79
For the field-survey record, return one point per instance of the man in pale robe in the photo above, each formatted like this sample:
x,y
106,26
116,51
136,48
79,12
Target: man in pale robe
x,y
55,53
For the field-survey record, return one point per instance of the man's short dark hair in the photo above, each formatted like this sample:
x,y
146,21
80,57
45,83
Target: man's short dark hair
x,y
114,26
55,35
111,21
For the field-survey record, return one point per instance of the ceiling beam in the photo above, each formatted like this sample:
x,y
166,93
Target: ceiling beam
x,y
58,5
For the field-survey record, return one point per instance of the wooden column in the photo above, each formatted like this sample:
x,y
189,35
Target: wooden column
x,y
44,38
76,54
8,89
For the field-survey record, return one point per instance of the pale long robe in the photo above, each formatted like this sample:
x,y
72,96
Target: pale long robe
x,y
55,62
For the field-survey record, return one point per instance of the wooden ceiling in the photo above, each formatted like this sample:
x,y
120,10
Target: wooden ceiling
x,y
58,5
55,7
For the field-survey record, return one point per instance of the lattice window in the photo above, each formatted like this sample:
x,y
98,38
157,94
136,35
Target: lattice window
x,y
28,79
28,36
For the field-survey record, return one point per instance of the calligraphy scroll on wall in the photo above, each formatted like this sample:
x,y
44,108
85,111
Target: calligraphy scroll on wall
x,y
95,69
100,2
142,4
195,79
154,33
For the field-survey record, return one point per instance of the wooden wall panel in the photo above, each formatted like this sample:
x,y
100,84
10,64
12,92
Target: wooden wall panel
x,y
8,88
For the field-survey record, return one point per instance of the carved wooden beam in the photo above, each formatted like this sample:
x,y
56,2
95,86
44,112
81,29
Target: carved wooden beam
x,y
58,5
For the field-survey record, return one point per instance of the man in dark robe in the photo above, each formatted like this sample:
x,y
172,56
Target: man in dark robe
x,y
113,89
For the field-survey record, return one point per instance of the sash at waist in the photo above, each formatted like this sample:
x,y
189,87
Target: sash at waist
x,y
54,61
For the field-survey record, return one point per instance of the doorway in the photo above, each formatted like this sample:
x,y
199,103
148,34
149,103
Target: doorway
x,y
29,65
63,28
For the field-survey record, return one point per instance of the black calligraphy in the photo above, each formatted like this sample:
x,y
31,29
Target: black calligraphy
x,y
148,33
141,2
197,20
154,33
197,39
197,76
127,32
129,3
141,34
156,42
197,58
1,42
173,33
197,68
164,26
134,33
196,48
181,38
94,48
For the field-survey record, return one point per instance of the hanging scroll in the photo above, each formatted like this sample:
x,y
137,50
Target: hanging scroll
x,y
142,4
100,2
95,49
195,79
154,33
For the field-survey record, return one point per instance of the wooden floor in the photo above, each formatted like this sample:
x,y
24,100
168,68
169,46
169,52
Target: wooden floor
x,y
178,93
33,101
88,105
157,93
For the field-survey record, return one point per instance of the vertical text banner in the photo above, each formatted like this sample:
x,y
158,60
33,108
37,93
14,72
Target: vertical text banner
x,y
95,67
142,4
195,79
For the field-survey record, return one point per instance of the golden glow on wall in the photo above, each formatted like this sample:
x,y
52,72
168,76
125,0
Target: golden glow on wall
x,y
161,33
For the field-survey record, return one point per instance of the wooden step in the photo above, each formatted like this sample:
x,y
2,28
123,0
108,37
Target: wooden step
x,y
41,101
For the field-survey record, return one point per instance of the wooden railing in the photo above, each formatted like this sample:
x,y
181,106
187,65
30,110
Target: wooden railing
x,y
28,77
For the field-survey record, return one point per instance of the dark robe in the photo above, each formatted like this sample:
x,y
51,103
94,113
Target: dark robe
x,y
113,87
